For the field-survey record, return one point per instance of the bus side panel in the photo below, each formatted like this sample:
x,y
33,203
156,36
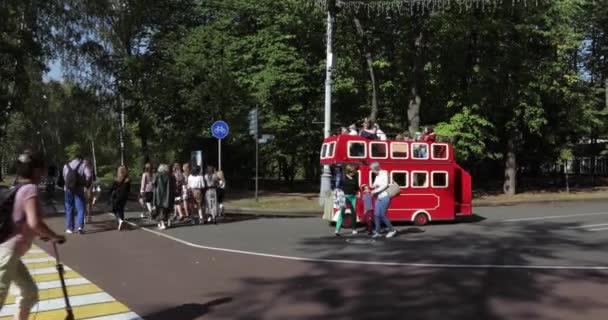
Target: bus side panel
x,y
463,192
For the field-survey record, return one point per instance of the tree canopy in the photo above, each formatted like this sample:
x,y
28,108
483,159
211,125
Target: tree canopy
x,y
513,84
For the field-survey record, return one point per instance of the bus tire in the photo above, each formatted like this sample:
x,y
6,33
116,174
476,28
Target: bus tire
x,y
421,219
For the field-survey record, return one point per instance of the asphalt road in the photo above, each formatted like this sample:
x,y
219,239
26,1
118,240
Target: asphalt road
x,y
545,261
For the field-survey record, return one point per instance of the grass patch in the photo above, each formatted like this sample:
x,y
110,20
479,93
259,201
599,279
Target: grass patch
x,y
279,202
307,202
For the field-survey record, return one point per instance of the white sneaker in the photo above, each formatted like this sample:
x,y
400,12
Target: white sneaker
x,y
69,231
391,233
376,235
355,232
120,224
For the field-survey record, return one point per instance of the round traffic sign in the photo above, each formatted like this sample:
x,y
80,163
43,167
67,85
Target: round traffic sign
x,y
220,129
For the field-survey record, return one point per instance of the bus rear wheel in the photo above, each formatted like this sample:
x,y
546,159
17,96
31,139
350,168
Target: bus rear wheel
x,y
421,219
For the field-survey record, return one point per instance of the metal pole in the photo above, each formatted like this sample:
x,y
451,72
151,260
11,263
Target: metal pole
x,y
257,159
122,132
219,154
331,16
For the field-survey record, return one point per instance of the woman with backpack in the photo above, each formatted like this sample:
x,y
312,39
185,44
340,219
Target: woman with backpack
x,y
22,222
120,194
145,190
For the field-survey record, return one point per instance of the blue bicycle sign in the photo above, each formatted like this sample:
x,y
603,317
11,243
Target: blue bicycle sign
x,y
220,129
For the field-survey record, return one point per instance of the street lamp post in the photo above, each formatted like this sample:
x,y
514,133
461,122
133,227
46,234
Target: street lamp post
x,y
330,60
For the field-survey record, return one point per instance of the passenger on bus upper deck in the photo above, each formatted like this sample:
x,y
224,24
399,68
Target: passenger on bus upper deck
x,y
379,133
343,130
428,135
368,132
352,130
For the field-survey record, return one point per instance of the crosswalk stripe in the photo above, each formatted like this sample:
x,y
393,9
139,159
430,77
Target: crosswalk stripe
x,y
38,265
55,276
58,292
36,260
57,284
81,312
32,255
59,303
46,270
120,316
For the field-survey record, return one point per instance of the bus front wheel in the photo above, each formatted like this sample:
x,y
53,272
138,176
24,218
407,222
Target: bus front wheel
x,y
421,219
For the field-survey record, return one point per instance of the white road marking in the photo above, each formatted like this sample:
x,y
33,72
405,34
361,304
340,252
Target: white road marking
x,y
586,226
566,216
36,260
377,263
121,316
598,229
59,303
55,284
46,270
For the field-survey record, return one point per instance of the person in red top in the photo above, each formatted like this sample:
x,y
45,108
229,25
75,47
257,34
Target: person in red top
x,y
428,135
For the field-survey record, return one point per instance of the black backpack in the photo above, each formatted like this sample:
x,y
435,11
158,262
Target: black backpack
x,y
72,179
7,200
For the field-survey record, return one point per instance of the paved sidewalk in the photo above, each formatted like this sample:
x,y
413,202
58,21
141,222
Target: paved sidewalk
x,y
88,300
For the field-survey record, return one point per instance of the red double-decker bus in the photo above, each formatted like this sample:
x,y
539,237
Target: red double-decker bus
x,y
433,186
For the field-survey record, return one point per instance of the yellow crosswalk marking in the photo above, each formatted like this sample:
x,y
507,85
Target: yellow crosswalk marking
x,y
55,276
34,255
39,265
58,293
84,311
81,312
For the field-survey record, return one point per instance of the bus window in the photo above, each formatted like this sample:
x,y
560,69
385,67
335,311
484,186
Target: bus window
x,y
331,150
420,151
420,179
356,149
324,151
378,150
400,178
399,150
440,151
439,179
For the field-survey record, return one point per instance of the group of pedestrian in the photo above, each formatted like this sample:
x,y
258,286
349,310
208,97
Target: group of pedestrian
x,y
182,193
375,200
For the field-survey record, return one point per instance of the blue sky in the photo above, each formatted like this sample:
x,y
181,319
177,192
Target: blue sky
x,y
55,73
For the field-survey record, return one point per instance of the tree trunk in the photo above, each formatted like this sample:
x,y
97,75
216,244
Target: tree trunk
x,y
566,176
2,164
370,66
94,157
415,101
510,183
143,136
606,89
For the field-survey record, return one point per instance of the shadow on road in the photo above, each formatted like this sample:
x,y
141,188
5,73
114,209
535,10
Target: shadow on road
x,y
188,311
353,291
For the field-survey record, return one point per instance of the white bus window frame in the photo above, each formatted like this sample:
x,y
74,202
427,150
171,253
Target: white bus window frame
x,y
371,154
407,178
420,144
412,183
364,149
447,151
332,148
407,150
324,148
447,180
